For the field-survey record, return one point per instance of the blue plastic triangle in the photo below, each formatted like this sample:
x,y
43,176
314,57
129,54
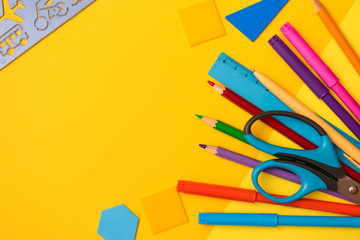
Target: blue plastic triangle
x,y
252,20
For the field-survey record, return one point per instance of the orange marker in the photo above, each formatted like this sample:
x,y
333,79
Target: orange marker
x,y
240,194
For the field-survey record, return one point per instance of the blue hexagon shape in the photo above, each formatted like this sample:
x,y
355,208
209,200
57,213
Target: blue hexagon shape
x,y
118,223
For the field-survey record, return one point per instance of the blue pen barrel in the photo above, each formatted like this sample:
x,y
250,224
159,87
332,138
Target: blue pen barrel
x,y
272,220
240,219
318,221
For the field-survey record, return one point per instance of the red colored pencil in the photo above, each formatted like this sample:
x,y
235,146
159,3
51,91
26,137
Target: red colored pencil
x,y
247,195
272,122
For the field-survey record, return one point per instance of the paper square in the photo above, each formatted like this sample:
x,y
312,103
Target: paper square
x,y
164,210
201,22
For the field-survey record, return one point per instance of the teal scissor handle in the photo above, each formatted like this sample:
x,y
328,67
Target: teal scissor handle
x,y
310,182
317,168
324,155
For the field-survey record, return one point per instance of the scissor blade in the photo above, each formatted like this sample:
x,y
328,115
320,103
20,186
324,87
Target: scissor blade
x,y
349,188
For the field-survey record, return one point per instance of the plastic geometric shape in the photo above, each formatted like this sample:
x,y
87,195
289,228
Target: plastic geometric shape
x,y
118,223
33,21
252,20
201,22
164,210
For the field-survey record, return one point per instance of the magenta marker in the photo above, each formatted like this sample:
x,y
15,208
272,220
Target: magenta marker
x,y
320,68
315,85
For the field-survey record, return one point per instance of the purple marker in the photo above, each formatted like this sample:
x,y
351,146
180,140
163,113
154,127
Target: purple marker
x,y
315,85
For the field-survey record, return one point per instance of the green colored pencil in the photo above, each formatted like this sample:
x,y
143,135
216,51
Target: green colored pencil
x,y
224,128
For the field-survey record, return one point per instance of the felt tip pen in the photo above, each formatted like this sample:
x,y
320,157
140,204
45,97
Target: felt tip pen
x,y
247,195
320,68
315,85
273,220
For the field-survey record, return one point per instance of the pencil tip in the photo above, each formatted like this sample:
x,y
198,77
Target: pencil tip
x,y
317,5
211,83
202,145
199,116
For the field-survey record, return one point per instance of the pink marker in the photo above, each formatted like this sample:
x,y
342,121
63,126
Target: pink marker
x,y
320,68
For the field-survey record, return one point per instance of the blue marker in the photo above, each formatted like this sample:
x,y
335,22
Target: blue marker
x,y
273,220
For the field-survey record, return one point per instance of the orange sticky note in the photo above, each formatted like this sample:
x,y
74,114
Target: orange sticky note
x,y
201,22
164,210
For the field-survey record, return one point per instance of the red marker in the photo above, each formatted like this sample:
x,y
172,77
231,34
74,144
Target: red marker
x,y
240,194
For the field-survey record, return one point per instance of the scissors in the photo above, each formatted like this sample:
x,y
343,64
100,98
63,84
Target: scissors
x,y
317,168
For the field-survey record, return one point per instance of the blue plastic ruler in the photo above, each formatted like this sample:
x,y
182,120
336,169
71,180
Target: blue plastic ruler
x,y
23,23
242,81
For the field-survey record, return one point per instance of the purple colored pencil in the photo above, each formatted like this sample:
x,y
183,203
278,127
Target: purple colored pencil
x,y
252,163
315,85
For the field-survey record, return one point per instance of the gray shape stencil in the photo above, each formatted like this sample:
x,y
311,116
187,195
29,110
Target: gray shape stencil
x,y
39,20
1,8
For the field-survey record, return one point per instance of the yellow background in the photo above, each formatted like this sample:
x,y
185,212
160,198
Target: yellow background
x,y
101,113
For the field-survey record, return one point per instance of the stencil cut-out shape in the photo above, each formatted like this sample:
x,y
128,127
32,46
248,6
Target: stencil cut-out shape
x,y
8,9
27,22
252,20
46,12
12,39
164,210
201,22
118,223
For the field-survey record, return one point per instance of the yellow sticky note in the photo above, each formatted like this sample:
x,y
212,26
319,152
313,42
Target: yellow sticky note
x,y
164,210
201,22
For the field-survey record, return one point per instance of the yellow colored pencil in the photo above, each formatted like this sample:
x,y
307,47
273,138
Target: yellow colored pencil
x,y
300,108
337,35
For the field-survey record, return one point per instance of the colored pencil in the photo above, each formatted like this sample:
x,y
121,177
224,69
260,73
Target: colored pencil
x,y
224,127
352,151
337,35
324,72
238,134
253,110
252,163
248,195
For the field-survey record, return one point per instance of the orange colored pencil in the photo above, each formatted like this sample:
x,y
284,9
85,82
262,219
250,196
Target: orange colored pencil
x,y
337,35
